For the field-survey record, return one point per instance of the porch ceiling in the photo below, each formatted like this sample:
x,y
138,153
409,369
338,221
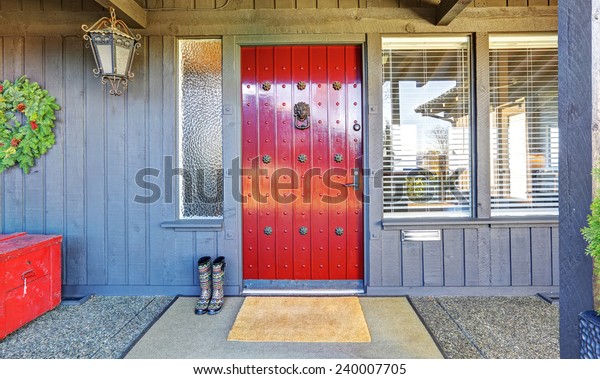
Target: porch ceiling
x,y
447,10
129,10
136,16
234,20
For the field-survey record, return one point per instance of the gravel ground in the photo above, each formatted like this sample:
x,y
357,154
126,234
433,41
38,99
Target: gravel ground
x,y
492,327
103,327
465,327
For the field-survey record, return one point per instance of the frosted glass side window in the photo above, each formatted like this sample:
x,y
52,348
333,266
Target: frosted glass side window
x,y
200,128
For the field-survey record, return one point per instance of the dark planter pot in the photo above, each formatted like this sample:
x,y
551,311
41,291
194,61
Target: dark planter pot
x,y
589,335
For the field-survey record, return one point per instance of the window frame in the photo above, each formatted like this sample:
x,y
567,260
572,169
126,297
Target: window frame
x,y
480,154
514,42
194,220
422,218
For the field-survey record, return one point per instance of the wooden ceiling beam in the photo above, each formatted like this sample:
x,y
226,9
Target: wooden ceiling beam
x,y
129,11
447,10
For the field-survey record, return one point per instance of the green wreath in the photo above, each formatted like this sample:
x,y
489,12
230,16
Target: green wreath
x,y
26,122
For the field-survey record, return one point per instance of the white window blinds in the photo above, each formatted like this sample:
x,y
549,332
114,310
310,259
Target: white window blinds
x,y
426,126
524,125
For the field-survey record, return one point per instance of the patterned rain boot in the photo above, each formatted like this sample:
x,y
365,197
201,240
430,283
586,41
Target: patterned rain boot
x,y
205,294
218,276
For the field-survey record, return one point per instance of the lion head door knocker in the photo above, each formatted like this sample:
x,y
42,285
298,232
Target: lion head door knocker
x,y
302,116
337,85
266,86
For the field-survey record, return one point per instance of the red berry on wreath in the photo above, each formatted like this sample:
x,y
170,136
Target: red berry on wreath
x,y
1,88
21,107
33,125
15,142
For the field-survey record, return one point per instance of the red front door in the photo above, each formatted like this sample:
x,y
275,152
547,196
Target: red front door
x,y
301,159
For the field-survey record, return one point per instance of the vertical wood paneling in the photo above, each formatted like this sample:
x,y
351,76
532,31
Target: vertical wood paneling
x,y
348,4
95,174
180,260
173,261
72,5
490,3
153,4
51,5
91,6
391,272
520,256
388,3
555,258
75,184
32,5
412,264
34,181
541,256
205,245
500,256
136,138
454,257
264,4
536,3
11,5
433,264
306,4
54,168
156,242
13,178
323,4
472,259
284,4
116,204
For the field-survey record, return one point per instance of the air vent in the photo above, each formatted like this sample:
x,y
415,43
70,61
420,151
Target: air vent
x,y
421,235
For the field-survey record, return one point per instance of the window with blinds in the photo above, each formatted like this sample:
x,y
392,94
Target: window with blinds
x,y
524,125
426,126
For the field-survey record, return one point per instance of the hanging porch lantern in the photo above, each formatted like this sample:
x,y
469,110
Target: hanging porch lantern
x,y
113,45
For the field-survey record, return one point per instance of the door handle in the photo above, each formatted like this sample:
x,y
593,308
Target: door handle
x,y
355,183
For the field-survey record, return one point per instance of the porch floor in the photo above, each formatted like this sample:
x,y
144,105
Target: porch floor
x,y
464,327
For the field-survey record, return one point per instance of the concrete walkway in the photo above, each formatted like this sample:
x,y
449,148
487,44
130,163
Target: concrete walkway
x,y
464,327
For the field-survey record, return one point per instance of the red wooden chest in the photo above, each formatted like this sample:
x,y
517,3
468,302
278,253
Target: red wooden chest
x,y
30,276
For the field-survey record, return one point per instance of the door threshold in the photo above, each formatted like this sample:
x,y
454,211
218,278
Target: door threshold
x,y
303,287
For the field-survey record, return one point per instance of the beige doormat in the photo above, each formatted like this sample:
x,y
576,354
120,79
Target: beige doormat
x,y
300,319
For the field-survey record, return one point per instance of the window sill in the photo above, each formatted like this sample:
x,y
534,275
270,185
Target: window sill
x,y
403,223
194,225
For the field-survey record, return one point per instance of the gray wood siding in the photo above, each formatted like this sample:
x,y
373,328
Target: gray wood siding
x,y
84,187
518,257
